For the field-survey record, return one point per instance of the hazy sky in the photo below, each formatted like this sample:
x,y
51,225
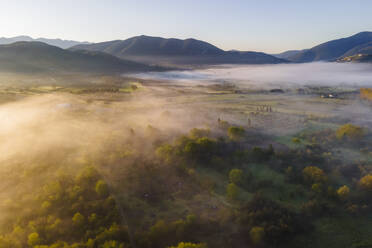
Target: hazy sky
x,y
261,25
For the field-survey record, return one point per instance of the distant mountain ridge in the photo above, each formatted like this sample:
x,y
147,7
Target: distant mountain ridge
x,y
38,57
157,50
287,54
360,43
53,42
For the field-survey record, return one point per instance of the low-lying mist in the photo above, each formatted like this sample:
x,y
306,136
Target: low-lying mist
x,y
280,75
41,125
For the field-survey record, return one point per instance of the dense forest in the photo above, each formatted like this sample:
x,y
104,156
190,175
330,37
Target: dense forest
x,y
134,192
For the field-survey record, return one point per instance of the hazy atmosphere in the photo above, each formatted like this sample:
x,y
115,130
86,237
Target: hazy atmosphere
x,y
185,124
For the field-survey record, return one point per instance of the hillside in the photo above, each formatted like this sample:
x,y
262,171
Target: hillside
x,y
335,49
31,57
287,54
53,42
159,50
363,58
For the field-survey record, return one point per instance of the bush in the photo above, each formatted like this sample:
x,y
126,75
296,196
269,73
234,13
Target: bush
x,y
350,132
366,182
343,192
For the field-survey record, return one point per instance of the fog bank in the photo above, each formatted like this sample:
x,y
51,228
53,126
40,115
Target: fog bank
x,y
282,75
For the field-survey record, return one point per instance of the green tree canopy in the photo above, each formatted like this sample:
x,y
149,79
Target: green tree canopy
x,y
235,133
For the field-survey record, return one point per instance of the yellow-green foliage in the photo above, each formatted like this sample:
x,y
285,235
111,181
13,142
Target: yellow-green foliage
x,y
349,131
112,244
343,192
366,182
313,174
101,188
196,133
78,219
236,176
366,93
257,234
33,239
296,140
235,133
189,245
232,191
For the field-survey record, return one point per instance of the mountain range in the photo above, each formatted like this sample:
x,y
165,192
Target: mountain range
x,y
333,50
38,57
54,42
143,53
161,51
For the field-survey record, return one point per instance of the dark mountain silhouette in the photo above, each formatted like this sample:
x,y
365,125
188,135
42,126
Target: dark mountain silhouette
x,y
336,49
30,57
53,42
157,50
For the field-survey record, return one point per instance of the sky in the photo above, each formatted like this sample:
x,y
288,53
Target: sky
x,y
270,26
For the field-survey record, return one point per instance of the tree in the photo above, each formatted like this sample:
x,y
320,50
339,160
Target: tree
x,y
33,239
189,245
112,244
350,132
235,133
197,133
343,192
257,234
102,188
201,149
78,219
232,191
366,182
278,222
236,176
313,174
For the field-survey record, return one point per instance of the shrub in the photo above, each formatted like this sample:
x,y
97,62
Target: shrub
x,y
350,132
366,182
343,192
